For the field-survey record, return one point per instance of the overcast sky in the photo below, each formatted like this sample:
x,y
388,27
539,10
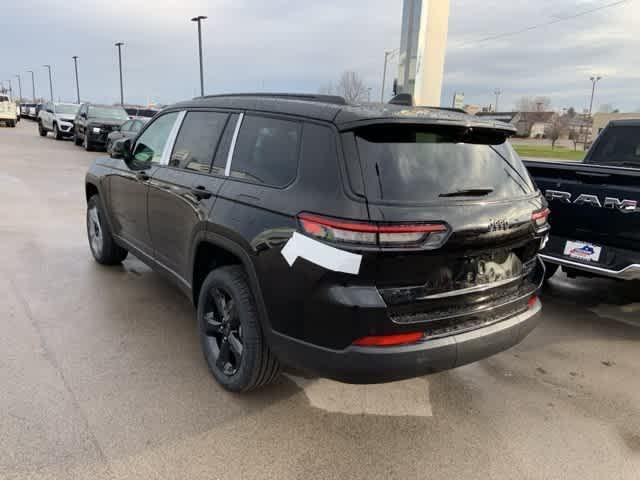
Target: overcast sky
x,y
298,45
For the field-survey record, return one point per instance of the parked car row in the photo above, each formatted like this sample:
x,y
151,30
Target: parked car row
x,y
93,126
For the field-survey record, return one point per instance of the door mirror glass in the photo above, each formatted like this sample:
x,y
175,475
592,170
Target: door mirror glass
x,y
121,149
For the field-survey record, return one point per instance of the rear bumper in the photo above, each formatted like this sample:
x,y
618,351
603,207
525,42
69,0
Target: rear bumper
x,y
631,272
385,364
618,263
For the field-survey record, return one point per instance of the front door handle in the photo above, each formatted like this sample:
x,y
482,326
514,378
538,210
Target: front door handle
x,y
142,176
201,193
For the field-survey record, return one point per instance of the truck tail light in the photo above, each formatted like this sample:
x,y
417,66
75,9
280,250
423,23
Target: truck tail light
x,y
430,235
532,301
541,217
389,340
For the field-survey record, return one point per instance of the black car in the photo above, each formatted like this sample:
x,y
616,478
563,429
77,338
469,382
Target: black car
x,y
596,206
128,129
93,123
361,244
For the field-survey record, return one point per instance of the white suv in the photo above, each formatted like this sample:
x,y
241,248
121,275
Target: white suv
x,y
57,118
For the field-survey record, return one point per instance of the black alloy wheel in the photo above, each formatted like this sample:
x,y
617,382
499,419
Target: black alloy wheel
x,y
223,331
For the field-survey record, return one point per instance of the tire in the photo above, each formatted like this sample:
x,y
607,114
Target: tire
x,y
103,247
41,130
12,124
76,138
86,144
551,269
227,315
56,133
108,147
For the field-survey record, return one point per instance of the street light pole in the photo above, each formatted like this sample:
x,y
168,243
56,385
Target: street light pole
x,y
75,62
19,86
199,19
387,55
497,92
50,82
119,45
33,85
594,79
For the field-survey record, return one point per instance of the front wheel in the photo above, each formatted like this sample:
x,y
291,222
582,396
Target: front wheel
x,y
230,332
103,247
76,138
56,132
86,144
41,130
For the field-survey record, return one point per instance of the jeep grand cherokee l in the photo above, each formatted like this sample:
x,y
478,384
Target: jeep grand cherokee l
x,y
361,244
93,123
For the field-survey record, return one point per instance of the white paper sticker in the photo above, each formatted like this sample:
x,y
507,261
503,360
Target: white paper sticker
x,y
323,255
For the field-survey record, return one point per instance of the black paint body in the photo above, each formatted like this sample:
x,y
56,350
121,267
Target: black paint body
x,y
311,316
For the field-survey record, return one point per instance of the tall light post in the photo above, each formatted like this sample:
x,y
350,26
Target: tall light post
x,y
48,67
387,55
75,62
119,45
497,92
33,84
19,86
594,80
199,19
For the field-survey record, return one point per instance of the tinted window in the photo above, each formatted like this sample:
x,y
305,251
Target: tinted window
x,y
197,141
151,143
136,126
618,146
266,151
111,113
126,126
416,165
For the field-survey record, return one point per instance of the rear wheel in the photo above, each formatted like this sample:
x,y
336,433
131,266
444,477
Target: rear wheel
x,y
551,269
104,248
230,332
41,130
12,123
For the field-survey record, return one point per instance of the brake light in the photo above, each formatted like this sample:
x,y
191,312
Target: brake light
x,y
430,235
541,217
389,340
532,301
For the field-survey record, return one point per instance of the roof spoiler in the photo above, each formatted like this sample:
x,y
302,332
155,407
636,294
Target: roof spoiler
x,y
307,97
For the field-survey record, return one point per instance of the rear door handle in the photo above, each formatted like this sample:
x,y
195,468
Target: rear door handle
x,y
142,176
201,193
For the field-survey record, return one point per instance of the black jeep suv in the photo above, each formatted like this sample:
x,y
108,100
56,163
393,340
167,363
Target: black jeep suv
x,y
93,123
361,244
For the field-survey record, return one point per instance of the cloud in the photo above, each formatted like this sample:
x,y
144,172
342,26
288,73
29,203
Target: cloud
x,y
289,45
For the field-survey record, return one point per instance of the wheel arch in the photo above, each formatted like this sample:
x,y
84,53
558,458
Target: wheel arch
x,y
211,251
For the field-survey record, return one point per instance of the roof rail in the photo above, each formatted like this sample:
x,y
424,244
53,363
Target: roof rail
x,y
307,97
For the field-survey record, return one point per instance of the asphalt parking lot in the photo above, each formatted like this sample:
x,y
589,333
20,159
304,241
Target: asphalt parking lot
x,y
101,374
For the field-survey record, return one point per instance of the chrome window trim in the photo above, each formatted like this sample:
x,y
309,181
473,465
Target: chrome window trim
x,y
171,139
232,147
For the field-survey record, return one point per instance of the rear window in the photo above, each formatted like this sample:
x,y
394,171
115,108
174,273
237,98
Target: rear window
x,y
618,146
3,98
414,164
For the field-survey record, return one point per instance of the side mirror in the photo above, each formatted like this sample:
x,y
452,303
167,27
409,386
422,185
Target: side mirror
x,y
121,149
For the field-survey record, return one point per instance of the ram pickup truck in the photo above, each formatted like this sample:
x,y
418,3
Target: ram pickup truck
x,y
595,217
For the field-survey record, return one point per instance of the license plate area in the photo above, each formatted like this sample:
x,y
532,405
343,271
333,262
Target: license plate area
x,y
584,251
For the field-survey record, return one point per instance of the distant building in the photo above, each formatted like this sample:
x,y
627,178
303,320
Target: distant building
x,y
506,117
533,124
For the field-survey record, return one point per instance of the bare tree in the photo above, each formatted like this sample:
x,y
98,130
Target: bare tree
x,y
556,129
352,87
574,136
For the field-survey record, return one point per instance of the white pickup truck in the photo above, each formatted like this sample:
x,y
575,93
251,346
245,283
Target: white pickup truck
x,y
57,118
8,111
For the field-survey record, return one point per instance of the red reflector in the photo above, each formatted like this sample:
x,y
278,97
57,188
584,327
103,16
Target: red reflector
x,y
532,301
540,214
389,340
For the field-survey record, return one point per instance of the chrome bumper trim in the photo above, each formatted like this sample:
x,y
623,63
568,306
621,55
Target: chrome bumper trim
x,y
631,272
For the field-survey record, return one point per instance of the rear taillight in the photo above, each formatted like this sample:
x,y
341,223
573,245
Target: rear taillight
x,y
541,217
389,340
533,301
428,235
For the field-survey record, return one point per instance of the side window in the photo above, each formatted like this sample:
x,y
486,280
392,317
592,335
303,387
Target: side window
x,y
151,143
136,126
197,141
267,151
126,126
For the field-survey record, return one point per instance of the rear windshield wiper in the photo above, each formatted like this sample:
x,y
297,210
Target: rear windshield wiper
x,y
469,192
